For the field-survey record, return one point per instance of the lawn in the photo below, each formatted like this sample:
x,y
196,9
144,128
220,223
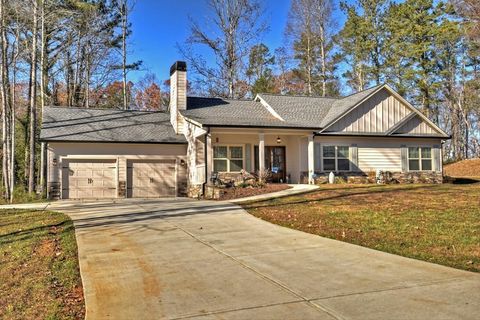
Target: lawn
x,y
435,223
39,274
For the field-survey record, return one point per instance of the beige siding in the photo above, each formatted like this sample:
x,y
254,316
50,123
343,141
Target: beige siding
x,y
292,143
379,157
377,114
375,153
119,153
416,125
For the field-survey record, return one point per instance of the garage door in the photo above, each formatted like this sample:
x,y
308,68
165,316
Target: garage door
x,y
92,179
151,179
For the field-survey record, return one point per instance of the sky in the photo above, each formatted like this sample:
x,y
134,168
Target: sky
x,y
158,25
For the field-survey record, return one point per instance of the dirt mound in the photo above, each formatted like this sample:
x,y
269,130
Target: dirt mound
x,y
463,168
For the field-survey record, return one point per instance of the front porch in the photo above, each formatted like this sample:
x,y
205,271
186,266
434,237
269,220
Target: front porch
x,y
286,154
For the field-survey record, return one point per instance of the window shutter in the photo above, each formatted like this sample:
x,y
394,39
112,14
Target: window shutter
x,y
317,154
404,155
437,158
354,157
248,157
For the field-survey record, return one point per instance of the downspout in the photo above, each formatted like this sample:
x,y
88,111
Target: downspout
x,y
205,151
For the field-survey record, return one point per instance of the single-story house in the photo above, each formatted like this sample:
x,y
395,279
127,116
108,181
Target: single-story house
x,y
100,153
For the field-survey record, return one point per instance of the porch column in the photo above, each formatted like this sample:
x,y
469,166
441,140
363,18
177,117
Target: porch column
x,y
261,152
311,169
208,157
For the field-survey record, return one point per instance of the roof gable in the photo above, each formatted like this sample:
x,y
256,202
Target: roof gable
x,y
383,111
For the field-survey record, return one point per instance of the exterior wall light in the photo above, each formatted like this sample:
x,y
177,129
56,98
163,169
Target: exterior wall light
x,y
279,140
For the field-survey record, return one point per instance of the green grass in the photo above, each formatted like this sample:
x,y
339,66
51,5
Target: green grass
x,y
39,274
21,196
435,223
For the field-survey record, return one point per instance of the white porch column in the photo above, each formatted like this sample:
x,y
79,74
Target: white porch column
x,y
209,155
261,152
311,169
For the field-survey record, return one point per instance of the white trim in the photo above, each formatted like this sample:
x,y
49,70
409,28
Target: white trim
x,y
412,108
228,159
396,95
420,159
268,107
352,108
335,158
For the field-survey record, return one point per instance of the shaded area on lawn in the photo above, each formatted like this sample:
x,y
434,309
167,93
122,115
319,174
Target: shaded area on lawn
x,y
39,277
248,191
435,223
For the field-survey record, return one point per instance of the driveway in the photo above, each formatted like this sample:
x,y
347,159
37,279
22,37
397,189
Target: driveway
x,y
179,259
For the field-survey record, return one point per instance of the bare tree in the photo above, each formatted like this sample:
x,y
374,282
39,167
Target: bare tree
x,y
234,25
32,98
309,31
5,105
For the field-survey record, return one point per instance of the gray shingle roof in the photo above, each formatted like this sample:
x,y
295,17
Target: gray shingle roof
x,y
296,111
343,105
224,112
107,125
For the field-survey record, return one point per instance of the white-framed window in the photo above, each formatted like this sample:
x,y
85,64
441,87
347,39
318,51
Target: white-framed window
x,y
228,158
336,158
420,159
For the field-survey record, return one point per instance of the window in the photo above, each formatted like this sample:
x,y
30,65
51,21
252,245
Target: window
x,y
227,158
419,159
336,158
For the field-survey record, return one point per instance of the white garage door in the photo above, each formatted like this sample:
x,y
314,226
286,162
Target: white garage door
x,y
84,179
151,179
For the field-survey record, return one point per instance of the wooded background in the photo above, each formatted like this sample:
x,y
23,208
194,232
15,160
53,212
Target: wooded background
x,y
75,53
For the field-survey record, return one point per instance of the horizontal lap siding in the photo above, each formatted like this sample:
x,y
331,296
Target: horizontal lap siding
x,y
376,153
370,159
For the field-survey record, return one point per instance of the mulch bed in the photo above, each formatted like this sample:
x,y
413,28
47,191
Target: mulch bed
x,y
235,193
463,168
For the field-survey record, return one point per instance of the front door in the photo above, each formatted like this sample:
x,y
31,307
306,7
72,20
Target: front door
x,y
274,162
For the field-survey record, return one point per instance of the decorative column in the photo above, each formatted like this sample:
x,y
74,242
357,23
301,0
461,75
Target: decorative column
x,y
208,157
261,152
311,168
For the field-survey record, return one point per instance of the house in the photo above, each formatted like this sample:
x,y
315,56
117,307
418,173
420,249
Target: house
x,y
94,153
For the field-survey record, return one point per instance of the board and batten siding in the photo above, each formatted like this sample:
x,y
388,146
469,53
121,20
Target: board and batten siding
x,y
416,126
378,114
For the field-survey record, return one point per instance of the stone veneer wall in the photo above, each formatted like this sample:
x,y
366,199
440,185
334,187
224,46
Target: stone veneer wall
x,y
370,177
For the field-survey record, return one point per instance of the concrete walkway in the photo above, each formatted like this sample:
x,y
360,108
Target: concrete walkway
x,y
295,189
182,259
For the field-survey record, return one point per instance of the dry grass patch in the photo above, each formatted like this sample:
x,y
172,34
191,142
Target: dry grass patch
x,y
464,168
436,223
39,274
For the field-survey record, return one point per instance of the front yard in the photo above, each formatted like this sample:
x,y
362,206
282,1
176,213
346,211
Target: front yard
x,y
435,223
39,274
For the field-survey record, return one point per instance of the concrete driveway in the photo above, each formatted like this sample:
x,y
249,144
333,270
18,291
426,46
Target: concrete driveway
x,y
179,259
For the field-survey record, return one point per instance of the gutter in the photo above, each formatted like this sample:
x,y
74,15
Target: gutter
x,y
205,150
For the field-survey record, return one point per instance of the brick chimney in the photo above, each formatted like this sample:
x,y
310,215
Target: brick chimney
x,y
178,93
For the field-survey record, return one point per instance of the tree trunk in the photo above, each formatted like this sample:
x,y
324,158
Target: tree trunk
x,y
323,61
41,185
15,54
4,97
33,103
124,53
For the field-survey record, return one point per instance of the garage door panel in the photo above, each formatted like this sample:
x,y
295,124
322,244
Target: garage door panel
x,y
90,179
152,179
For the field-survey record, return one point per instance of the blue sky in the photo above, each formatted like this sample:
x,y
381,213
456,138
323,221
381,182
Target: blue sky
x,y
158,25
